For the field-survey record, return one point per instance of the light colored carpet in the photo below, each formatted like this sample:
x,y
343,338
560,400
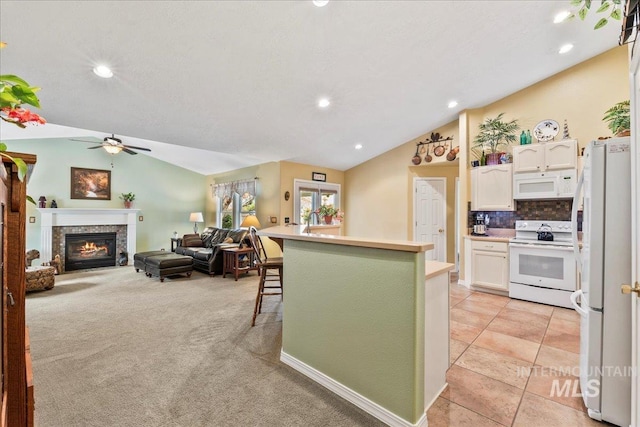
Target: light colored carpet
x,y
112,347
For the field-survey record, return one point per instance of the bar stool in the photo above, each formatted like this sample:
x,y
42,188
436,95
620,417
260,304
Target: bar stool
x,y
265,265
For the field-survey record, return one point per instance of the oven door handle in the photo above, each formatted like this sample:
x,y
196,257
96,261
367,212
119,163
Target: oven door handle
x,y
574,221
534,246
576,305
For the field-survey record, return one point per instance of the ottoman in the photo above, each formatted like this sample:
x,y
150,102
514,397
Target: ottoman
x,y
168,264
140,257
40,278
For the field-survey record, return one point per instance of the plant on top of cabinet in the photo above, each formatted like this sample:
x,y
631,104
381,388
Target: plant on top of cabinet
x,y
494,133
618,118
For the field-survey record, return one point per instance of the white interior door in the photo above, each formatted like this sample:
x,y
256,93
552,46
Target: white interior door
x,y
430,213
635,238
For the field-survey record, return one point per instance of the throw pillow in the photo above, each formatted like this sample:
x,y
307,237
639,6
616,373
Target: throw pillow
x,y
191,240
228,240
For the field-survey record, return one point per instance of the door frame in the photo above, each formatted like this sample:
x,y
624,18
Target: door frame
x,y
634,85
444,208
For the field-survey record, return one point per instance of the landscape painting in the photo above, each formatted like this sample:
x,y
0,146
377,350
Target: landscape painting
x,y
91,184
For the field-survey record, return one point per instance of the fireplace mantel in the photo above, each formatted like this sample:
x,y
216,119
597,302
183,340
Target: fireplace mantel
x,y
62,217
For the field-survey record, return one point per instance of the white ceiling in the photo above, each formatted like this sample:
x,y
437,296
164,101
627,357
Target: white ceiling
x,y
236,82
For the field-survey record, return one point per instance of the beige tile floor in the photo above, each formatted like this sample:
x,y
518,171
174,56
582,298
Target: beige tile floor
x,y
510,360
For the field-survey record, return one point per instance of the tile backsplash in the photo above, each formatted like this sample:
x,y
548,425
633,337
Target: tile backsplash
x,y
551,210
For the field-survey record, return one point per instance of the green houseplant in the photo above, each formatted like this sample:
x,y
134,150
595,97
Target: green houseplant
x,y
128,199
494,133
328,212
618,118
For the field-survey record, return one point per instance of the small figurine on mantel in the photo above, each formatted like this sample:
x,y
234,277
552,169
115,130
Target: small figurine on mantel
x,y
565,130
54,204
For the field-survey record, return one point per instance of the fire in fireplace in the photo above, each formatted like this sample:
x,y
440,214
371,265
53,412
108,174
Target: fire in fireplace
x,y
89,250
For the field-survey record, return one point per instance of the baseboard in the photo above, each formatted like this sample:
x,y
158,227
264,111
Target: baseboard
x,y
464,283
436,397
351,396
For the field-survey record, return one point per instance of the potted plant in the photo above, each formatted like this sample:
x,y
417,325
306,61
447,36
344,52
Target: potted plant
x,y
618,118
128,199
328,212
495,133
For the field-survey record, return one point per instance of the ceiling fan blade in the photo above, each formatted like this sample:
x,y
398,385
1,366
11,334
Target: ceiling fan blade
x,y
84,140
93,148
126,150
136,148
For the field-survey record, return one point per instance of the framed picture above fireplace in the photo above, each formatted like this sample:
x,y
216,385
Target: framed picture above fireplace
x,y
91,184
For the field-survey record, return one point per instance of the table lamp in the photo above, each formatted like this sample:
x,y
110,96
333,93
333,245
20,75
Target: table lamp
x,y
250,220
195,218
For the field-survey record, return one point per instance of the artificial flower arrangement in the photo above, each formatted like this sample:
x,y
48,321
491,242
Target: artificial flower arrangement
x,y
14,93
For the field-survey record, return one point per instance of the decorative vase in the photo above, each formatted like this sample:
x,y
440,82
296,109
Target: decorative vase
x,y
127,204
328,219
493,158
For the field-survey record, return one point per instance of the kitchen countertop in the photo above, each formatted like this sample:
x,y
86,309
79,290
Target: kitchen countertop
x,y
296,232
495,235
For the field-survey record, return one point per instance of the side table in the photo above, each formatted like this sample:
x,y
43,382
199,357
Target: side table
x,y
233,264
175,241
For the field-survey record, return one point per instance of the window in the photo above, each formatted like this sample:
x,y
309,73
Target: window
x,y
236,200
310,195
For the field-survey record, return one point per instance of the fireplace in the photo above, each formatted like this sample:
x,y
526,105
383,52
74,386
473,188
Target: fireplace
x,y
89,250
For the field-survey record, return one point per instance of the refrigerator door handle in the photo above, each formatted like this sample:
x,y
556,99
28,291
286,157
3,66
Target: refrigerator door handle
x,y
574,301
574,221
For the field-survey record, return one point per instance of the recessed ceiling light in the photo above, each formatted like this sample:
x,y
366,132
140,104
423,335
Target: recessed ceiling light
x,y
323,103
452,104
565,48
358,146
560,17
320,3
103,71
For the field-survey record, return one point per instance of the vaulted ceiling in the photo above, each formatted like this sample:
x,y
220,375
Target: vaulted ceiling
x,y
218,85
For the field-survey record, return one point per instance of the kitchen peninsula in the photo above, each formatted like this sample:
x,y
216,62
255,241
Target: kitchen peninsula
x,y
368,319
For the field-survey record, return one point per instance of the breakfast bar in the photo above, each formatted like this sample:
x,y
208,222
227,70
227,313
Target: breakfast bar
x,y
366,318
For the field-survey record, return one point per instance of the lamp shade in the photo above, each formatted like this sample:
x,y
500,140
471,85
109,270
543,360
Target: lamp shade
x,y
250,220
196,217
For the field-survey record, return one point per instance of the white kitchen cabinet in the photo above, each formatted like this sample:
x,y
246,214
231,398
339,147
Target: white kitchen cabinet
x,y
492,188
547,156
490,265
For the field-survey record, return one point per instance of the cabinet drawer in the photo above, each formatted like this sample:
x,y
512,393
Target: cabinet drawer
x,y
489,246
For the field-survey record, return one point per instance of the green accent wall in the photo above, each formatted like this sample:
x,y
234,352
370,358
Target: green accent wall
x,y
357,315
165,194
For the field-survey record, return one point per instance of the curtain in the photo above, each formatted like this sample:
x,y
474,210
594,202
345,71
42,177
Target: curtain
x,y
246,189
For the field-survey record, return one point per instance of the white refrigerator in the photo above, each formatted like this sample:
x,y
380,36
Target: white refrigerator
x,y
605,263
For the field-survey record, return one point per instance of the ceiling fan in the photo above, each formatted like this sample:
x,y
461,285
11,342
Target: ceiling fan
x,y
113,145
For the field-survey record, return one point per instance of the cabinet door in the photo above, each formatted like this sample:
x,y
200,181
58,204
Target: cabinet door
x,y
528,158
490,270
561,155
492,188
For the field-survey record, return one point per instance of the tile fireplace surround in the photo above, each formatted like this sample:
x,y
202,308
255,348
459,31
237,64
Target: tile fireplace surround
x,y
65,218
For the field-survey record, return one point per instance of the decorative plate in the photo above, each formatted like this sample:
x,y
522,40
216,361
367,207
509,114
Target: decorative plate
x,y
546,130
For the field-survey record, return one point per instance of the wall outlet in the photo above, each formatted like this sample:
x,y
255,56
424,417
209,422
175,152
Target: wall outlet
x,y
286,220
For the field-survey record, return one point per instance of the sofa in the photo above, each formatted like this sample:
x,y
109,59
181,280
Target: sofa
x,y
206,248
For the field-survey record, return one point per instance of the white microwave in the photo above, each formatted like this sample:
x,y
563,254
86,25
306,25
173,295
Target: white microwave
x,y
559,184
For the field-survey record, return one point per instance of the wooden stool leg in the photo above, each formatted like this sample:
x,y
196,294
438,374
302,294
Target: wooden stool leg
x,y
258,306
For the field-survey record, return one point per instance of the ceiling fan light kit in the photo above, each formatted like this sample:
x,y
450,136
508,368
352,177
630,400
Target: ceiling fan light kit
x,y
113,145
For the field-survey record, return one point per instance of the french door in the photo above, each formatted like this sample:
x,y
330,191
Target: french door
x,y
309,196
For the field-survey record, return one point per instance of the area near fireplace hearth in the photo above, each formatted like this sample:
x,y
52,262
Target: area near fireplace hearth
x,y
59,224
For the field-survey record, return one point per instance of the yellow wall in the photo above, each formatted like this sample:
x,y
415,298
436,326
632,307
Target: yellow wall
x,y
290,171
378,193
267,189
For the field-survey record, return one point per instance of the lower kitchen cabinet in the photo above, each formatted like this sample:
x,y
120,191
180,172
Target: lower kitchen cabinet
x,y
490,265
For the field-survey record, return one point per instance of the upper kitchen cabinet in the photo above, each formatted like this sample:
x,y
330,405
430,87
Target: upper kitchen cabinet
x,y
543,157
492,188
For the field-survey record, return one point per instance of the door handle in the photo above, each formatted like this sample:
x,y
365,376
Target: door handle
x,y
440,230
10,299
627,289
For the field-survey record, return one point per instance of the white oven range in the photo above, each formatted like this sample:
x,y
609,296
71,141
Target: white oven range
x,y
542,271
